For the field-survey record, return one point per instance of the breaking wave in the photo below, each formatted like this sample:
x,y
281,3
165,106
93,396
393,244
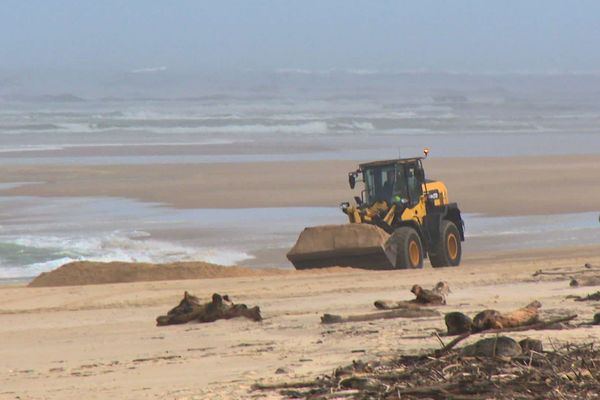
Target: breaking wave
x,y
28,256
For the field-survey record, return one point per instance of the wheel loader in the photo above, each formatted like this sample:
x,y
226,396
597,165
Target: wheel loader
x,y
399,219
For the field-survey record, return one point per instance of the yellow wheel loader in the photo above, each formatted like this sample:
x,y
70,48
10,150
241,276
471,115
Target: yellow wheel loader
x,y
399,219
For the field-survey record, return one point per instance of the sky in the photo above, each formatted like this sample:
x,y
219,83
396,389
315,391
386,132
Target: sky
x,y
221,35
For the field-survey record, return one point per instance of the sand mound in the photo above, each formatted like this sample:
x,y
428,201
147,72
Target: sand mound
x,y
91,273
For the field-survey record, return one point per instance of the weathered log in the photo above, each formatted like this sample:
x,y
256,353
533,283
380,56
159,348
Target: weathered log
x,y
395,305
424,297
285,385
557,273
492,319
538,326
457,323
406,313
594,296
585,281
499,346
220,307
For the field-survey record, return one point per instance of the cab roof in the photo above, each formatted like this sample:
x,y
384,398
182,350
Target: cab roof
x,y
383,163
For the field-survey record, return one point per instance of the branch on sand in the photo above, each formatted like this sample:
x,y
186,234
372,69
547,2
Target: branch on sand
x,y
400,305
587,268
404,313
424,297
571,371
220,307
593,297
537,326
285,385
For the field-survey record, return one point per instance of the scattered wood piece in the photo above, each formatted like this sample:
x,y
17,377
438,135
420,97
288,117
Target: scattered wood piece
x,y
565,272
492,319
590,297
424,297
457,323
403,313
538,326
569,371
451,345
395,305
285,385
585,281
543,325
220,307
496,346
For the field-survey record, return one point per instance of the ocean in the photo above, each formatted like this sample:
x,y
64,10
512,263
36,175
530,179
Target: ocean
x,y
364,123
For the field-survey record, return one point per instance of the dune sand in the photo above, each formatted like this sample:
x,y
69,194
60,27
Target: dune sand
x,y
101,341
93,273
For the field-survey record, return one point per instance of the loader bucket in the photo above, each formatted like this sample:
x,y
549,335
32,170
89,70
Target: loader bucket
x,y
348,245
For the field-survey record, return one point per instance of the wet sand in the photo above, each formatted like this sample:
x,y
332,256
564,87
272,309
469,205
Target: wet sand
x,y
493,186
101,340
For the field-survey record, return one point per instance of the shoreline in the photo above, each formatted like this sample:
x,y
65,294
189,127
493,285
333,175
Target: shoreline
x,y
501,258
502,186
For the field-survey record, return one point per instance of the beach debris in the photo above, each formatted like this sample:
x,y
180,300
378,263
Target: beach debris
x,y
424,297
435,296
525,318
529,345
568,372
587,268
220,307
499,346
585,281
458,323
590,297
283,370
492,319
400,313
596,320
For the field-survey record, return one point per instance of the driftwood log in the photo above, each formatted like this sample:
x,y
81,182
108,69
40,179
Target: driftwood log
x,y
403,313
585,281
220,307
423,297
492,319
537,326
593,297
586,269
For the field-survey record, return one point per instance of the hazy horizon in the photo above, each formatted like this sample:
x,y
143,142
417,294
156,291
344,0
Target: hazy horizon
x,y
47,45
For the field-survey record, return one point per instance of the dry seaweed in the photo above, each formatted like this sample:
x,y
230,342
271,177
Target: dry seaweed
x,y
567,372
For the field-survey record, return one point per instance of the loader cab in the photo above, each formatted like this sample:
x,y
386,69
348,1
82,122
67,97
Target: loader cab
x,y
395,182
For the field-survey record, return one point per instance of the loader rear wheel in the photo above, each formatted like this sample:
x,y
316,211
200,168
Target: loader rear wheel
x,y
409,248
447,251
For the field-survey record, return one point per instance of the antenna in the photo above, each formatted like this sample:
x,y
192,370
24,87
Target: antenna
x,y
399,155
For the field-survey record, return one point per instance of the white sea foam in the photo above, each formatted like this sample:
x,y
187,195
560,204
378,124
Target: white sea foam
x,y
42,147
135,246
312,127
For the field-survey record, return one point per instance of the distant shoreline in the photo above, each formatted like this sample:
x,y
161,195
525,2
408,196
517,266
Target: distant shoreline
x,y
501,186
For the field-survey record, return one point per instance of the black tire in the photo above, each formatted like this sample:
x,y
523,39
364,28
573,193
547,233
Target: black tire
x,y
408,248
448,250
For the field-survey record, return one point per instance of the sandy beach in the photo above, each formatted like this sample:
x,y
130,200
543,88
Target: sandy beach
x,y
164,169
494,186
101,340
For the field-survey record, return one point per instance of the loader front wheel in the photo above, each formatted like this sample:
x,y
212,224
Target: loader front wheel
x,y
447,251
409,248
